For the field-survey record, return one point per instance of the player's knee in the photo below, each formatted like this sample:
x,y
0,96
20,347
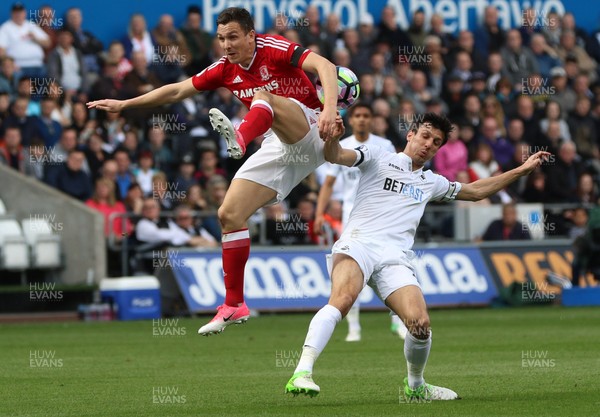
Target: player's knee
x,y
343,302
418,325
227,217
263,95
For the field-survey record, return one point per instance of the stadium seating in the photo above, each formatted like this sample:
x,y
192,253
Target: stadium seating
x,y
45,245
14,252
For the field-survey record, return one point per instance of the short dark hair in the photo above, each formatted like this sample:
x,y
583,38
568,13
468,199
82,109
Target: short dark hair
x,y
236,14
437,121
359,105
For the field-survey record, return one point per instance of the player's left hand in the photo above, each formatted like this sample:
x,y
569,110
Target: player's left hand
x,y
326,123
338,128
535,161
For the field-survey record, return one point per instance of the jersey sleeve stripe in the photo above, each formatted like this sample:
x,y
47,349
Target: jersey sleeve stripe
x,y
281,48
282,42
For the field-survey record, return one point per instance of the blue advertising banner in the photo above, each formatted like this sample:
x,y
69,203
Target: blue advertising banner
x,y
109,20
295,280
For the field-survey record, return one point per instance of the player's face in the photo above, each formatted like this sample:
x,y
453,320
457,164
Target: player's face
x,y
424,144
361,119
237,45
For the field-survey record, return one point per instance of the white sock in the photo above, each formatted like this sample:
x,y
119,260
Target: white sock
x,y
395,319
353,318
319,332
416,352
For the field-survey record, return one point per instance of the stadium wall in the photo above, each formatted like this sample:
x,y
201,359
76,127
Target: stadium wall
x,y
108,20
81,228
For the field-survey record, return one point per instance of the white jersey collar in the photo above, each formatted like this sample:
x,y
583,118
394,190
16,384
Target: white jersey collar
x,y
408,163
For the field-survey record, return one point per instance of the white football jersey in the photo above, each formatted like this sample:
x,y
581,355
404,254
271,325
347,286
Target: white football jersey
x,y
349,177
391,197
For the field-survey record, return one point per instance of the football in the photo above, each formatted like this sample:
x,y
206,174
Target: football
x,y
348,88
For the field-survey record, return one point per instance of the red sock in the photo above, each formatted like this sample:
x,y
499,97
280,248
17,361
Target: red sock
x,y
257,121
236,249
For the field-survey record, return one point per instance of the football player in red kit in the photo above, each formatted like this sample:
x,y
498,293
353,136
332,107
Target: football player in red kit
x,y
266,72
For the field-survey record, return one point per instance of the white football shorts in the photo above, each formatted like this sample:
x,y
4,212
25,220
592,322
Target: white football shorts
x,y
385,268
280,166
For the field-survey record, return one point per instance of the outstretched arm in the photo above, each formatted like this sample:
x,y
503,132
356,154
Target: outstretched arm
x,y
328,75
486,187
167,94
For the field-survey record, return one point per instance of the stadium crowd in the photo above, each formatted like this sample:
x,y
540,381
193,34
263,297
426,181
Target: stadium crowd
x,y
509,93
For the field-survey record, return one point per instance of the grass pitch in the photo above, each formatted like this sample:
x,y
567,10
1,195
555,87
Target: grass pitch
x,y
539,361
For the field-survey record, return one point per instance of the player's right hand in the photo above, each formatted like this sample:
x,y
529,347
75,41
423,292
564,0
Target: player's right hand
x,y
108,105
318,225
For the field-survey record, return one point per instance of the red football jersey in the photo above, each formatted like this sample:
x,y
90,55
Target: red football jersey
x,y
276,67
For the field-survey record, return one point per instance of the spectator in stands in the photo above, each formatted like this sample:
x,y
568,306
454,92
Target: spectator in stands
x,y
466,43
367,88
25,42
569,47
131,145
333,217
163,156
163,191
125,176
554,113
134,200
583,129
138,81
416,30
186,176
563,94
535,188
515,131
586,190
391,92
171,53
185,221
9,76
551,30
388,30
437,29
35,164
452,157
332,33
359,53
472,111
491,107
529,24
366,29
561,177
546,56
104,201
525,111
502,149
19,119
477,84
84,41
507,228
453,95
418,92
194,198
436,73
484,165
145,172
65,64
579,219
12,152
341,57
518,59
108,85
463,67
197,39
81,122
581,86
552,138
138,39
47,21
216,188
71,178
48,129
489,37
116,54
312,32
306,211
495,70
154,229
95,155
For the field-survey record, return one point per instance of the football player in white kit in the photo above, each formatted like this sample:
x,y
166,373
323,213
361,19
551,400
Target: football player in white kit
x,y
359,118
375,247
